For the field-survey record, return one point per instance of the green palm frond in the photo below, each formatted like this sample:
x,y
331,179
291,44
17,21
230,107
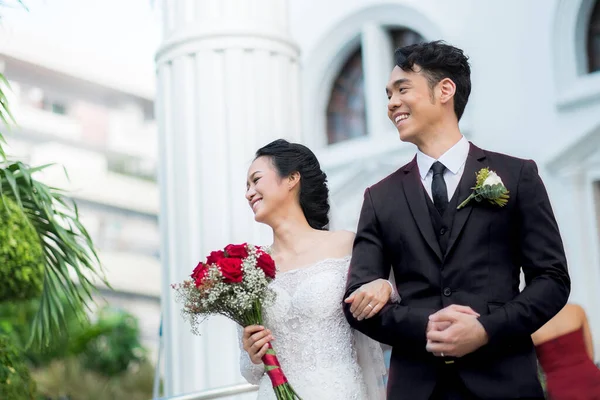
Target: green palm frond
x,y
70,260
5,115
14,3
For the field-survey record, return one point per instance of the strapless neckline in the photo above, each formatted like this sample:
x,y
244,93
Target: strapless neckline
x,y
315,264
343,259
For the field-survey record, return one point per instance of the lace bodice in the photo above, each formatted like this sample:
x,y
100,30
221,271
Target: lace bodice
x,y
314,343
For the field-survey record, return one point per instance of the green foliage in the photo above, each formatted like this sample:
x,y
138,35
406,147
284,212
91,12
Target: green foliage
x,y
481,176
63,267
21,257
16,382
5,114
64,379
117,347
104,361
108,346
496,194
70,259
99,360
15,320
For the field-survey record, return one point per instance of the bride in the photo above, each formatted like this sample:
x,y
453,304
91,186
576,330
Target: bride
x,y
322,357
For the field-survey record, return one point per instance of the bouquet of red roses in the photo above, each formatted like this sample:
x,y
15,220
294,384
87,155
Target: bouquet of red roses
x,y
234,282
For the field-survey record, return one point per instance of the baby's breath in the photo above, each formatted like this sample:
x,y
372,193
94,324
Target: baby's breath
x,y
242,302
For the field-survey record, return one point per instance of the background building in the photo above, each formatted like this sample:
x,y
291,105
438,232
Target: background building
x,y
100,127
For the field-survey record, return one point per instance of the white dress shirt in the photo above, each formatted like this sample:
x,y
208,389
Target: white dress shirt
x,y
454,159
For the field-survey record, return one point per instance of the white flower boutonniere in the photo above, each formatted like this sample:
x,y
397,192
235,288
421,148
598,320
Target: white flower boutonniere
x,y
488,186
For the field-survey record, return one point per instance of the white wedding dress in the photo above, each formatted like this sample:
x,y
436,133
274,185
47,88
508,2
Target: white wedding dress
x,y
320,354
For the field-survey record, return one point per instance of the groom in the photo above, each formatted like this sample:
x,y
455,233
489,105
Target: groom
x,y
462,329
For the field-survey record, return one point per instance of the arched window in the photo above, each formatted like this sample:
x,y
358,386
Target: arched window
x,y
404,37
347,108
346,111
593,40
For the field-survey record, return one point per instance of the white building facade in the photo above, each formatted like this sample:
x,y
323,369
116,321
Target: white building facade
x,y
233,75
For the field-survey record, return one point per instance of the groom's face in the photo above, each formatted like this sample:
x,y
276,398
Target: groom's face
x,y
412,105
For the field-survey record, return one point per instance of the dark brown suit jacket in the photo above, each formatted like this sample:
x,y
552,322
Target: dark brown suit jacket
x,y
487,247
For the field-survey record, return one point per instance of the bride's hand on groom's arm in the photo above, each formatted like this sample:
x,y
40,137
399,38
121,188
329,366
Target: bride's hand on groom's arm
x,y
255,341
461,335
369,299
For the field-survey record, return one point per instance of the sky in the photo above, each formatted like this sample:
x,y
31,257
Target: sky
x,y
124,29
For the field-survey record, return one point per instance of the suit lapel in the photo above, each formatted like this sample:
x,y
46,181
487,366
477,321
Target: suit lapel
x,y
467,181
415,196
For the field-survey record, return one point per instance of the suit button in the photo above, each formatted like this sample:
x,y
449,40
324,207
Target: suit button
x,y
443,230
447,292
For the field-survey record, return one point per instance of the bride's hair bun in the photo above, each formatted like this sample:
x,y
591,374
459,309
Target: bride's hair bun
x,y
314,195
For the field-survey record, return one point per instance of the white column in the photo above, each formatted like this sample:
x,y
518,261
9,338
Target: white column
x,y
377,65
228,83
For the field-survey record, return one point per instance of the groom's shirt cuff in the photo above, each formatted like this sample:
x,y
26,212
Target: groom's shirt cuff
x,y
394,297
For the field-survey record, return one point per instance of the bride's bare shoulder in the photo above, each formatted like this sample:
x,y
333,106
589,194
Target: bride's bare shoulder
x,y
340,242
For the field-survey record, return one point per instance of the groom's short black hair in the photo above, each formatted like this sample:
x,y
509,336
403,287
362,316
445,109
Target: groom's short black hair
x,y
438,61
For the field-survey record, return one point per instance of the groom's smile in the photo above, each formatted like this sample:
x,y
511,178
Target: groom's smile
x,y
399,118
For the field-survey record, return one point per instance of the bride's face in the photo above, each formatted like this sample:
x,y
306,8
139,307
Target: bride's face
x,y
266,191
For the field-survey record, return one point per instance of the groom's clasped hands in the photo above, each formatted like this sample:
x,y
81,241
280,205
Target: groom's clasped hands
x,y
455,331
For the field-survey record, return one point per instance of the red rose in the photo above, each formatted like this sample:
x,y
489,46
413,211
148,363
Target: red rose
x,y
236,250
215,256
231,268
199,274
266,263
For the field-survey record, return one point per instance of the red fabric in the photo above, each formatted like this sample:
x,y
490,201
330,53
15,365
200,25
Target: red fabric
x,y
276,374
570,373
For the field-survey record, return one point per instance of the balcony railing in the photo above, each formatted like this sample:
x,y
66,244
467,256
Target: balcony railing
x,y
218,393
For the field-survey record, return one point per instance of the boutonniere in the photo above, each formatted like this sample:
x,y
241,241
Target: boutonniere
x,y
488,186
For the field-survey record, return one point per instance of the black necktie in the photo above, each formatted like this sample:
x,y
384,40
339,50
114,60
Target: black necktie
x,y
438,187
